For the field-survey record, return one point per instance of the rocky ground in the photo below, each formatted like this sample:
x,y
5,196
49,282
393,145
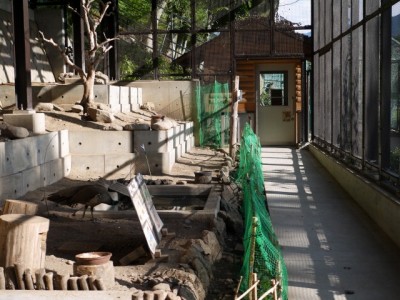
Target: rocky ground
x,y
199,259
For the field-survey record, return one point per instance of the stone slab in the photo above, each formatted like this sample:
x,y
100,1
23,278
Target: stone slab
x,y
34,122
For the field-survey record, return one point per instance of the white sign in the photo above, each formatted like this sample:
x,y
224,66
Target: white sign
x,y
147,213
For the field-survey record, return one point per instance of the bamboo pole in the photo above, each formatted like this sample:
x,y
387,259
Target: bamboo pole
x,y
271,290
238,287
234,118
249,290
252,252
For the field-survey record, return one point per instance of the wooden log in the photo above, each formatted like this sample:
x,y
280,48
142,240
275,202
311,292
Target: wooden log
x,y
99,284
73,283
19,273
62,281
12,206
2,279
11,279
23,240
83,283
105,272
40,285
148,295
28,280
48,281
138,295
92,286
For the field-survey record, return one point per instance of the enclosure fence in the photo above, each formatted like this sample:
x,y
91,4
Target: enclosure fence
x,y
262,254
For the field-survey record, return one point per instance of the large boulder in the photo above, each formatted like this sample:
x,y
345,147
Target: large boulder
x,y
97,114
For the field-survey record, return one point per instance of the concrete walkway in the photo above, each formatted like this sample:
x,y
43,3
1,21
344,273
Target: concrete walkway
x,y
330,246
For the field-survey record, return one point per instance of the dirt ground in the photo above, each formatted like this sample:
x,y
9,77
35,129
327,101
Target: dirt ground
x,y
69,235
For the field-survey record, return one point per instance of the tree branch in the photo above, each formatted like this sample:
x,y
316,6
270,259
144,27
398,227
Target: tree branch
x,y
67,60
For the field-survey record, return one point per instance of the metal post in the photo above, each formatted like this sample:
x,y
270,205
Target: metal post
x,y
22,48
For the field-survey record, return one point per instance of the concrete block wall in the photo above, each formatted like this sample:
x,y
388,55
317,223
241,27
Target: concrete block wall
x,y
382,208
30,163
174,99
106,154
163,148
124,98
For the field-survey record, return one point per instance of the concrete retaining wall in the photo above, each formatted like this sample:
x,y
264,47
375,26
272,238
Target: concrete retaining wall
x,y
174,99
30,163
378,204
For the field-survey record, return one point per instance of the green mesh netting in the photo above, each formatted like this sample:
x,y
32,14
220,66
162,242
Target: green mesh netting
x,y
212,103
266,260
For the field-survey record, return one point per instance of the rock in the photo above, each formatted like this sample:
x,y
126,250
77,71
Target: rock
x,y
57,107
137,126
101,78
13,132
114,127
148,106
164,124
211,240
99,115
44,106
162,286
77,108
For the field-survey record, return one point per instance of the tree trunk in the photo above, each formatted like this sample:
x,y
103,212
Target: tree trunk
x,y
23,241
88,90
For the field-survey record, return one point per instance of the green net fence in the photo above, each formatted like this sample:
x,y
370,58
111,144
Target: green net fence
x,y
212,102
262,251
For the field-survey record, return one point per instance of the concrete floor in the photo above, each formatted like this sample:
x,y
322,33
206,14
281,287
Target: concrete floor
x,y
331,248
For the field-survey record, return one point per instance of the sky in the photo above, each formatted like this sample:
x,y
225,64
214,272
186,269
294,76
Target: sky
x,y
296,11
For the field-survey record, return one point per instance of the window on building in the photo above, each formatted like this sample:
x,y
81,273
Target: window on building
x,y
273,89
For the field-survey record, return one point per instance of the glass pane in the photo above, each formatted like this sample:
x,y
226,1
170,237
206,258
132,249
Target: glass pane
x,y
321,99
328,21
395,90
316,97
372,74
316,37
371,6
357,9
336,94
346,94
357,92
328,97
337,10
273,89
346,14
297,12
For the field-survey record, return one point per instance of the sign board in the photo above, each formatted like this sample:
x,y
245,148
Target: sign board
x,y
147,213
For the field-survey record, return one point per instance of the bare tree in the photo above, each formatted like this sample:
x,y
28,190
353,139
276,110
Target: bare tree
x,y
93,12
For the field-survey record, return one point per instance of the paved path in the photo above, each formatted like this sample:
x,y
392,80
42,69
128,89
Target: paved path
x,y
330,247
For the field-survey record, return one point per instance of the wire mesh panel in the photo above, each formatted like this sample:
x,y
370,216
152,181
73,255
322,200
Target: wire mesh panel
x,y
262,251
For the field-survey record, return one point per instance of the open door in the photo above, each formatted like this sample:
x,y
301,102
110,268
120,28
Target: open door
x,y
276,104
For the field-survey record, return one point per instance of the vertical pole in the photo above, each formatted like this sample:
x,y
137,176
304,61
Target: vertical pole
x,y
234,117
252,254
23,84
78,33
154,32
193,38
